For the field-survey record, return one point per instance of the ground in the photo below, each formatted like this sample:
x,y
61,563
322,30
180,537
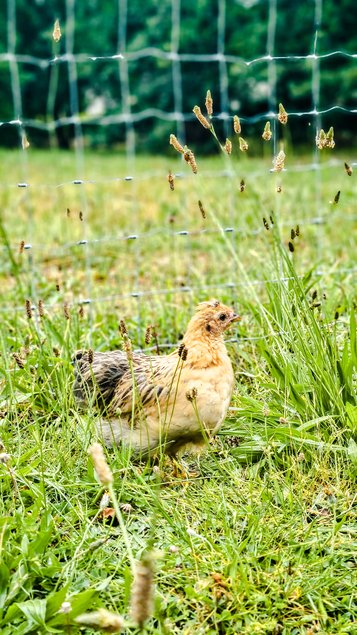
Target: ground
x,y
258,538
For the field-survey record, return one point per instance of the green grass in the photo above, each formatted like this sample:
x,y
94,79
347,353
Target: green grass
x,y
260,537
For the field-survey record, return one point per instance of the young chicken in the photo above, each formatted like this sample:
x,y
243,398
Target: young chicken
x,y
167,402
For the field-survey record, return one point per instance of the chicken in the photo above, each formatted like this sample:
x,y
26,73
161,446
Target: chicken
x,y
162,402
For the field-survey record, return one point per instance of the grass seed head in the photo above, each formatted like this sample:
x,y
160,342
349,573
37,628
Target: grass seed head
x,y
330,142
102,620
80,215
142,591
90,356
282,115
101,466
28,309
265,223
267,133
176,144
190,159
236,125
291,246
201,118
81,311
279,189
41,310
242,185
182,352
19,361
56,31
66,311
171,180
202,210
243,145
292,234
336,197
279,161
209,104
321,139
123,328
148,334
24,142
191,394
348,169
21,246
228,146
297,230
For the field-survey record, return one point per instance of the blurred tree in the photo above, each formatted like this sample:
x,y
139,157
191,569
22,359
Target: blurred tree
x,y
104,27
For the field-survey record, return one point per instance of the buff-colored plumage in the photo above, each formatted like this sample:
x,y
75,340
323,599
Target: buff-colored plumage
x,y
178,400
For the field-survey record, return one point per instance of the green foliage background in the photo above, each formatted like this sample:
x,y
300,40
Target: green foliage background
x,y
98,25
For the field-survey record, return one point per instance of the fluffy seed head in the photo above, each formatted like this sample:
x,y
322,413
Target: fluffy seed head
x,y
101,466
142,591
102,620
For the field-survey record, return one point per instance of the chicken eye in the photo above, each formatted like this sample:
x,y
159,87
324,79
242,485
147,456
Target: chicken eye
x,y
222,317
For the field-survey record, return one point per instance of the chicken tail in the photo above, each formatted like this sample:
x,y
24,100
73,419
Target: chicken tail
x,y
97,376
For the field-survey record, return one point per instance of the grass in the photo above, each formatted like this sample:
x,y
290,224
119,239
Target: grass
x,y
259,537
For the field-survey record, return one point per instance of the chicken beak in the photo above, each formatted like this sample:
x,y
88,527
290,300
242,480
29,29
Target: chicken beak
x,y
235,318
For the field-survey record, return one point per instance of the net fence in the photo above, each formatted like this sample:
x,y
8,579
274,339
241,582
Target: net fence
x,y
110,234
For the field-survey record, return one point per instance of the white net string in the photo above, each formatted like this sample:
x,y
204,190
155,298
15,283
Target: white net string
x,y
179,239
